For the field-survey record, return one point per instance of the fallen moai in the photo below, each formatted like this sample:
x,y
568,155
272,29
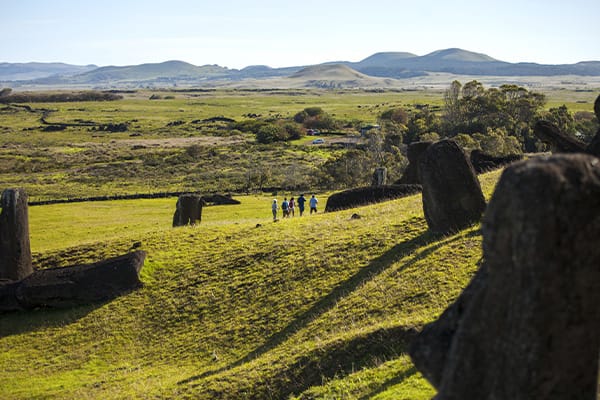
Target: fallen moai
x,y
452,196
23,288
528,324
368,195
220,199
560,142
15,251
76,285
483,162
188,210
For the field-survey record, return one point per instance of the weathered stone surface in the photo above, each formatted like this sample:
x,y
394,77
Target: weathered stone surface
x,y
411,173
368,195
76,285
452,197
15,251
220,199
188,210
527,327
594,145
379,176
483,162
559,142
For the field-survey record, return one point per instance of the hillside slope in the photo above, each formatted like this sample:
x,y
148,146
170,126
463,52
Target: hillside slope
x,y
315,307
334,76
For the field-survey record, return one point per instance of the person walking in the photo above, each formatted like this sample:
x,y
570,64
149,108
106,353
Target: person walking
x,y
291,206
285,208
274,208
301,201
313,204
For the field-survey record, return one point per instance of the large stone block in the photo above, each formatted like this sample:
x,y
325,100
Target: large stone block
x,y
188,210
411,173
368,195
528,325
75,285
15,251
452,196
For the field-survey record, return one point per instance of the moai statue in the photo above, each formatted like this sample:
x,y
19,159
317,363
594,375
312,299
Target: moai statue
x,y
411,173
527,325
452,196
188,210
379,176
15,251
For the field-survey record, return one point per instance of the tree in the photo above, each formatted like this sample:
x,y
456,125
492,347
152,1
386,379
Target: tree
x,y
271,133
472,109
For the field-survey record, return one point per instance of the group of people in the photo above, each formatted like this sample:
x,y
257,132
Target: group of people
x,y
288,208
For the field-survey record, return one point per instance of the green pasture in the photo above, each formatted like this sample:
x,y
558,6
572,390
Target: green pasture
x,y
310,307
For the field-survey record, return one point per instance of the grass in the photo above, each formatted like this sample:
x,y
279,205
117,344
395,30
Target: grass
x,y
152,156
315,307
321,306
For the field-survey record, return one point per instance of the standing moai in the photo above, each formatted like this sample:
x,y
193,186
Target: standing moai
x,y
528,324
188,210
411,173
452,196
379,177
15,251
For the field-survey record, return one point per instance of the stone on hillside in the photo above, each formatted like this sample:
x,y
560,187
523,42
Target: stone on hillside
x,y
594,145
483,162
15,251
559,142
368,195
220,199
188,210
379,176
76,285
411,173
452,197
527,327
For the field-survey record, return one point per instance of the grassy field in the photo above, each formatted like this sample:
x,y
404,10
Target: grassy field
x,y
315,307
240,306
168,146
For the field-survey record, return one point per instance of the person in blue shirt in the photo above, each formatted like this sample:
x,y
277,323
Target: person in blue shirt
x,y
301,200
313,204
285,207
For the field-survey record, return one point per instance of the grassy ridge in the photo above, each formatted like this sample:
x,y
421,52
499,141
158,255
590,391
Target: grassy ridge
x,y
314,307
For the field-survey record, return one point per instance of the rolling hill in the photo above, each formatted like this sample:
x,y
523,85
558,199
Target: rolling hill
x,y
335,76
36,70
396,65
230,310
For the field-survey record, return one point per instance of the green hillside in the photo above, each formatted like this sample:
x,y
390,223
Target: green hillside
x,y
239,307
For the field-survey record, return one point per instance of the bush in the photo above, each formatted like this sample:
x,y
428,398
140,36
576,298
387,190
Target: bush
x,y
271,133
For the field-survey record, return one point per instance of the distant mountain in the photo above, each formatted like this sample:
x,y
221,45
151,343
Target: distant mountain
x,y
457,55
335,76
463,62
165,71
35,70
397,65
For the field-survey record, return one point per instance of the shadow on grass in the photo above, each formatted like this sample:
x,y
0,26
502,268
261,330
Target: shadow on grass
x,y
375,267
18,322
390,383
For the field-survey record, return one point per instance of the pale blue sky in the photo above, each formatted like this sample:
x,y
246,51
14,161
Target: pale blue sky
x,y
237,33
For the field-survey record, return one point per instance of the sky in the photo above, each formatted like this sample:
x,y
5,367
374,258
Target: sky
x,y
280,33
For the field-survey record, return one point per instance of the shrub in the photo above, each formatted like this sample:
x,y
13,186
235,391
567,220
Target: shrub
x,y
271,133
